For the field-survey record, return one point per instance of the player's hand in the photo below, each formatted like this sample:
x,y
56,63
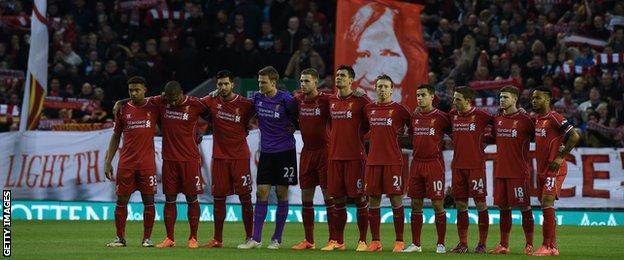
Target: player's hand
x,y
108,171
116,108
554,166
358,92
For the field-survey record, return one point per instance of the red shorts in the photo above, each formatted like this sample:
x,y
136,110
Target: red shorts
x,y
383,179
129,180
469,183
511,192
345,178
549,185
182,177
313,169
230,177
427,180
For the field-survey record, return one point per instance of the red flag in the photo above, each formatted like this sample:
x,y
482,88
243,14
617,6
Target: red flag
x,y
382,37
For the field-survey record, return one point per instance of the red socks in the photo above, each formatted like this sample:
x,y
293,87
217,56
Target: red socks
x,y
484,225
462,226
193,218
549,227
398,216
362,218
375,223
219,217
440,222
307,213
340,216
248,214
528,224
417,224
148,220
329,207
171,213
121,214
505,226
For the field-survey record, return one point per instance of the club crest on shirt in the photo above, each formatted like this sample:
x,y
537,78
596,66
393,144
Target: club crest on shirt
x,y
416,121
515,123
432,122
237,111
350,105
390,112
455,117
373,112
128,116
499,123
544,123
472,118
277,107
219,106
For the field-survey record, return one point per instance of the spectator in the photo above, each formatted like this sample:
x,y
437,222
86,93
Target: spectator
x,y
266,40
567,107
86,91
292,36
305,57
579,92
253,59
69,56
321,41
238,30
592,103
277,56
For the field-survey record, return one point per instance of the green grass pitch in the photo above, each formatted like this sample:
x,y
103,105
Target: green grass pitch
x,y
86,240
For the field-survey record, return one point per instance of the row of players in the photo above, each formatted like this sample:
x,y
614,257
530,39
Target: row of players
x,y
333,156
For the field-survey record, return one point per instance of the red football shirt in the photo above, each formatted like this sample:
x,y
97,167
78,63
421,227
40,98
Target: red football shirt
x,y
229,121
137,125
348,126
550,129
314,121
387,122
513,135
429,129
179,127
468,138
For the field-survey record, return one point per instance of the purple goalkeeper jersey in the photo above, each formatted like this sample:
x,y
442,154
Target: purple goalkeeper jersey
x,y
275,116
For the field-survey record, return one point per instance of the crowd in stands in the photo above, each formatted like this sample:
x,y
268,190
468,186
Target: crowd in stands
x,y
575,47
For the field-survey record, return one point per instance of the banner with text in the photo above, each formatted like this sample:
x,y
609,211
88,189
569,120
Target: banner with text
x,y
68,166
104,211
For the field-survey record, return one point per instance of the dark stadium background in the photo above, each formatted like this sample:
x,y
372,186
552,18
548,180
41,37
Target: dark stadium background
x,y
96,45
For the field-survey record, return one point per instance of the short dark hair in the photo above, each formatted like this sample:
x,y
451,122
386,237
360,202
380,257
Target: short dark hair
x,y
384,77
270,72
467,92
173,87
225,74
544,89
312,72
137,80
511,89
349,70
428,87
